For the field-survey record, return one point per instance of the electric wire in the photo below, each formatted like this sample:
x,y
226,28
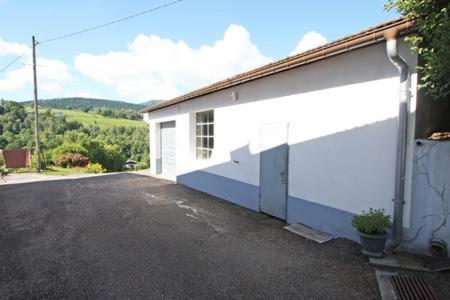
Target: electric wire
x,y
110,23
14,60
91,29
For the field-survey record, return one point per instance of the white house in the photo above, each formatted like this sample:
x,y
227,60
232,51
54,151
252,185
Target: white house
x,y
314,138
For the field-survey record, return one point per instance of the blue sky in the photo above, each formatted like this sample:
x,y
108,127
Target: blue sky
x,y
143,58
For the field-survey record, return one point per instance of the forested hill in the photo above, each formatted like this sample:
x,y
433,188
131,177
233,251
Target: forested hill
x,y
79,103
150,103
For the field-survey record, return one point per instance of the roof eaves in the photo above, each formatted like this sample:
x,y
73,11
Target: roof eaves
x,y
367,37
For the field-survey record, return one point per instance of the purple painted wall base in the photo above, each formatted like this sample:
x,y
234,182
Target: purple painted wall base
x,y
324,218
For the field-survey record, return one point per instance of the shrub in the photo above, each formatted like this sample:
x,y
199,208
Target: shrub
x,y
33,165
114,158
110,157
3,172
69,160
375,221
67,148
145,158
2,161
141,166
95,151
95,168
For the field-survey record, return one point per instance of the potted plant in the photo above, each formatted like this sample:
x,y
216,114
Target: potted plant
x,y
371,227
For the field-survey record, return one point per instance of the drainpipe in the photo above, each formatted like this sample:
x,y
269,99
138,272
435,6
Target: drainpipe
x,y
402,66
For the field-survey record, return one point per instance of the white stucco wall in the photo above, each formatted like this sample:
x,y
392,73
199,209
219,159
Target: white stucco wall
x,y
430,215
342,129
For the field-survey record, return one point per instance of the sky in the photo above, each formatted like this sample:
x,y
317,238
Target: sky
x,y
165,53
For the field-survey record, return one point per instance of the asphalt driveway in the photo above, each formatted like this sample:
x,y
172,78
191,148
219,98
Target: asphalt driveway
x,y
133,236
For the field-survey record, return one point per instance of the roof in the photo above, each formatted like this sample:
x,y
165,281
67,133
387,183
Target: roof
x,y
361,39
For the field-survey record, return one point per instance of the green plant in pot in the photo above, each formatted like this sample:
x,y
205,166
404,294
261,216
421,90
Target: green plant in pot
x,y
371,227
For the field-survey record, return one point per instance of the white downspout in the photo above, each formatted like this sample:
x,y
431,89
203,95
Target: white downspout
x,y
403,69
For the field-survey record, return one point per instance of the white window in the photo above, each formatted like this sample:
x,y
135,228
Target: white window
x,y
204,129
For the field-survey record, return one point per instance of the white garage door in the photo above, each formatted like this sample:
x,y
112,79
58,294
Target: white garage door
x,y
168,150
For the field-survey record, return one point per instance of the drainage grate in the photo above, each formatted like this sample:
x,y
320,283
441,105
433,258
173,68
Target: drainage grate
x,y
412,288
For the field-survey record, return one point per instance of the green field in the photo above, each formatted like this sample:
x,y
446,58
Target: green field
x,y
65,171
93,119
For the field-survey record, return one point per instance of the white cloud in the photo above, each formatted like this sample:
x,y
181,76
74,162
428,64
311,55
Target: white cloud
x,y
51,88
7,48
51,73
157,68
309,41
82,94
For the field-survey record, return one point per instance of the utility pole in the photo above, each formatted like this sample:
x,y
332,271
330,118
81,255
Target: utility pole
x,y
36,111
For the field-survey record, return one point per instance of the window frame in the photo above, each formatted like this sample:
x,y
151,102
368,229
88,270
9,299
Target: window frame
x,y
204,134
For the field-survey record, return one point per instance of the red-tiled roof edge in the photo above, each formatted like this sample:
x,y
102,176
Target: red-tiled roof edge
x,y
361,39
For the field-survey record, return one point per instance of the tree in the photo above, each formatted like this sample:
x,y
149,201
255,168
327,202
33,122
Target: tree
x,y
109,146
432,42
114,158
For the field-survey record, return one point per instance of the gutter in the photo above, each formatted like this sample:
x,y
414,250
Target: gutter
x,y
391,37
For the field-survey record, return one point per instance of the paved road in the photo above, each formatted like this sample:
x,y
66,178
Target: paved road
x,y
132,236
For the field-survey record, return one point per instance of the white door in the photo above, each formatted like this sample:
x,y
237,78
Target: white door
x,y
168,150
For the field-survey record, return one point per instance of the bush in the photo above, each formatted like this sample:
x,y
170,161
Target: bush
x,y
95,168
2,161
145,158
67,148
95,151
114,158
69,160
375,221
33,165
141,166
3,142
111,157
3,172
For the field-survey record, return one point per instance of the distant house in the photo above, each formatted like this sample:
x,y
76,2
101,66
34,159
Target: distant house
x,y
314,138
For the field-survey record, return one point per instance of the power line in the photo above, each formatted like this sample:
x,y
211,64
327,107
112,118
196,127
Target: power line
x,y
110,23
14,60
92,28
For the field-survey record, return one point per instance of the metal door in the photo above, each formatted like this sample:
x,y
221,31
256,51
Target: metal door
x,y
168,150
273,169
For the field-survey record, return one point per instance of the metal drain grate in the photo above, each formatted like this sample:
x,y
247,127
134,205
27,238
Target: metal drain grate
x,y
412,288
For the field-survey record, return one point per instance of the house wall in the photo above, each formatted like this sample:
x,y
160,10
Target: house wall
x,y
341,114
430,215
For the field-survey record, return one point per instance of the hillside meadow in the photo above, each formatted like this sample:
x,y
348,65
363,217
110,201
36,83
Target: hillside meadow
x,y
87,118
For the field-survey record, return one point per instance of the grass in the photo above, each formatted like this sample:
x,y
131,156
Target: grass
x,y
93,119
53,171
65,171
